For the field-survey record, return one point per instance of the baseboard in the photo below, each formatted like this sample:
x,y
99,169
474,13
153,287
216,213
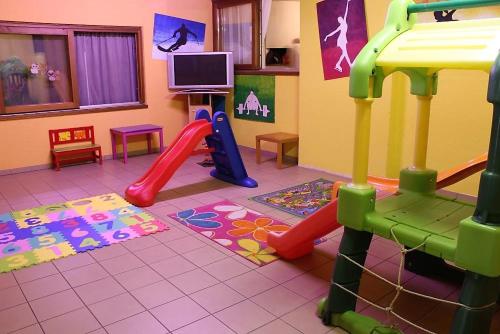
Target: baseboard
x,y
49,166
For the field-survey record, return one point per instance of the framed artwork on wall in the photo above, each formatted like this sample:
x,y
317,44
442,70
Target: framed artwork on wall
x,y
173,34
342,35
254,98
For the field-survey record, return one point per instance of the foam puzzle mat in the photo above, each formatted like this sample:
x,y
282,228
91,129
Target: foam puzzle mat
x,y
49,232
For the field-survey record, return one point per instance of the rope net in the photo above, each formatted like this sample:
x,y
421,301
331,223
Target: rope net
x,y
400,288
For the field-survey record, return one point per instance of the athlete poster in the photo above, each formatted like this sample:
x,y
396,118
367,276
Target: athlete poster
x,y
254,97
342,34
173,34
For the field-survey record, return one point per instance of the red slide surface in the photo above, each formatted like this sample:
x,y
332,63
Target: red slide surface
x,y
143,191
299,240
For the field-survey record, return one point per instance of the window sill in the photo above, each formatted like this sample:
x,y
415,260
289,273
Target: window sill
x,y
81,110
271,70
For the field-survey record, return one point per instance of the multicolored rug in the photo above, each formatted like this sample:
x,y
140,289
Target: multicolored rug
x,y
242,230
49,232
300,200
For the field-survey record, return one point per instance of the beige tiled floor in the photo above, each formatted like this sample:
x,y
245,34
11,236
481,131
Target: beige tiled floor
x,y
180,282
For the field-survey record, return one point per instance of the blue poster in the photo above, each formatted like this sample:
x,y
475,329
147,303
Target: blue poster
x,y
173,34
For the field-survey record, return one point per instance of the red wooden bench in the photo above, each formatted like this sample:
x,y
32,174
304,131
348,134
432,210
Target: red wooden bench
x,y
73,145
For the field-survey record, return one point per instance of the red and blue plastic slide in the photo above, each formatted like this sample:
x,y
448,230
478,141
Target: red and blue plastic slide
x,y
225,154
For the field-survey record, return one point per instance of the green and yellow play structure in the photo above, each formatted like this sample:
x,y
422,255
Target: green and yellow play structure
x,y
415,216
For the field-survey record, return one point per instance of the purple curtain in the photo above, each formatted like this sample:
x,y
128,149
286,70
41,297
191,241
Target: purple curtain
x,y
107,68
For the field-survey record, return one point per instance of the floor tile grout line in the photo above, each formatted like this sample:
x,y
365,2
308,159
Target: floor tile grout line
x,y
29,305
81,300
128,293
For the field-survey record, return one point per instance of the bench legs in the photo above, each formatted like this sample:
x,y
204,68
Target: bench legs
x,y
95,155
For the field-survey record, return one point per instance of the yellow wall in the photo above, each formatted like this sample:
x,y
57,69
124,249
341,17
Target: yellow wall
x,y
460,119
25,142
286,116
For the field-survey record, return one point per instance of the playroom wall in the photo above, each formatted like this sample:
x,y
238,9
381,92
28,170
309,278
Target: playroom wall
x,y
24,143
460,119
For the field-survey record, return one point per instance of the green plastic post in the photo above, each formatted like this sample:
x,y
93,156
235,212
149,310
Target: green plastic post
x,y
477,291
488,208
453,4
354,244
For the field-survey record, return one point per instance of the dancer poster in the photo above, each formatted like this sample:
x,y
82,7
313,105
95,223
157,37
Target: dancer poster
x,y
173,34
342,34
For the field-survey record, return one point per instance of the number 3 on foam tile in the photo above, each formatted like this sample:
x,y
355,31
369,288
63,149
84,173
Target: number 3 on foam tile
x,y
17,261
33,221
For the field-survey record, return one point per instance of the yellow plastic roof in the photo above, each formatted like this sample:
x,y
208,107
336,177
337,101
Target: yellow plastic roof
x,y
472,44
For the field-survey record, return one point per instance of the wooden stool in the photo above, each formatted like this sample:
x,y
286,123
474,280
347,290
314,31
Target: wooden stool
x,y
280,138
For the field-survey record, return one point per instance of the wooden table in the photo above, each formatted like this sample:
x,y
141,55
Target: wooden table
x,y
280,138
135,130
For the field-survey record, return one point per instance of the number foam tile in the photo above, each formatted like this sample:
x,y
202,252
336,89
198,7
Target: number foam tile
x,y
53,252
140,218
126,211
111,225
7,226
32,221
46,240
6,217
84,238
18,261
16,247
99,217
114,237
62,214
149,227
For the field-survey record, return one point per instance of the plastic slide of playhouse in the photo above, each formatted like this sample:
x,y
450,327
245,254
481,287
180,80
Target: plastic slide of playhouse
x,y
415,217
224,151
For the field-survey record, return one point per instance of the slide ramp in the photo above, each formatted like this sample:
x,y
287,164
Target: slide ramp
x,y
142,193
299,240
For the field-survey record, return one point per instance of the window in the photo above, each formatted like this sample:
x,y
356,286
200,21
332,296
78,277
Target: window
x,y
237,29
262,34
67,68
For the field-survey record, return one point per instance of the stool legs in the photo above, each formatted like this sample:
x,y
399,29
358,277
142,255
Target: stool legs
x,y
257,151
279,158
148,137
161,140
113,145
124,144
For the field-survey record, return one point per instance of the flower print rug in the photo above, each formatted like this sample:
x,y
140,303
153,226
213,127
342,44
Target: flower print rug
x,y
300,200
242,230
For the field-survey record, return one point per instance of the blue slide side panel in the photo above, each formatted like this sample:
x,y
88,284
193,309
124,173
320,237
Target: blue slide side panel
x,y
202,114
229,166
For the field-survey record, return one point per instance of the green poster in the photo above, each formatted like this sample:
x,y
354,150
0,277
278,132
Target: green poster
x,y
254,98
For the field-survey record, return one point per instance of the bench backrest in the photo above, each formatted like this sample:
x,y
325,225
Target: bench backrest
x,y
71,135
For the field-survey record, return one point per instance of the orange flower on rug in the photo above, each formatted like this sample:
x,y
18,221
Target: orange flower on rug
x,y
259,228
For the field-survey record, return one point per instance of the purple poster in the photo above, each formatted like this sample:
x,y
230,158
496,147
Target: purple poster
x,y
342,34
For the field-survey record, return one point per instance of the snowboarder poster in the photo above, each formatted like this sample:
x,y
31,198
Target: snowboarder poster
x,y
254,97
173,34
342,34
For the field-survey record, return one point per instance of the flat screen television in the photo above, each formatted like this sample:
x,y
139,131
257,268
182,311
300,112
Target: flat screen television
x,y
200,70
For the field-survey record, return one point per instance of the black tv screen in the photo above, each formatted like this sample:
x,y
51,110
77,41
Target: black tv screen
x,y
200,70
